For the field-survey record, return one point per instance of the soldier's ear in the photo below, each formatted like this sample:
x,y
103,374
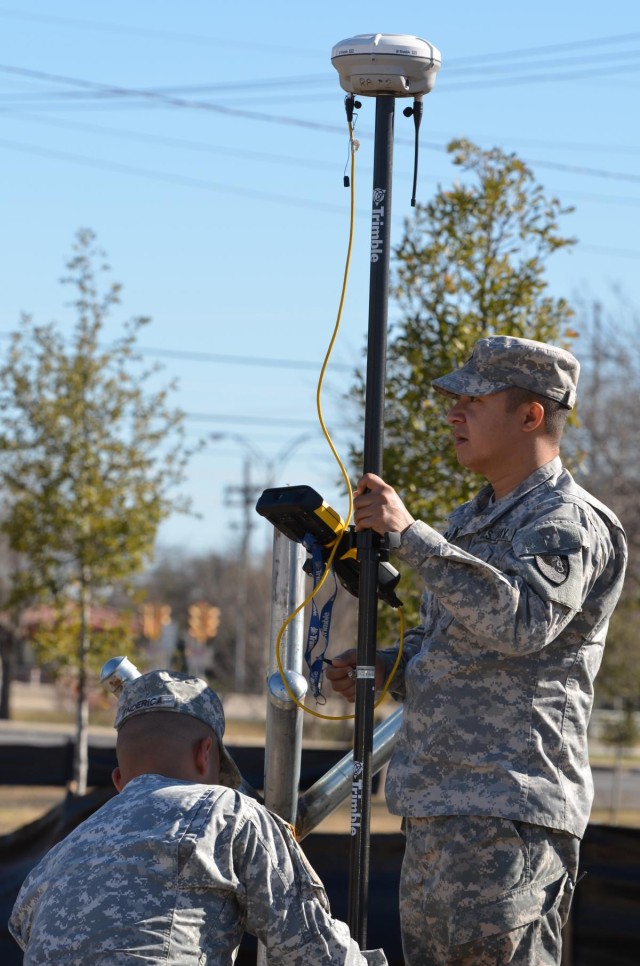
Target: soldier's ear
x,y
533,416
116,778
202,754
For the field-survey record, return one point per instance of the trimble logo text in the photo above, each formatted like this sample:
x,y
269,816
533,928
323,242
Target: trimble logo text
x,y
377,223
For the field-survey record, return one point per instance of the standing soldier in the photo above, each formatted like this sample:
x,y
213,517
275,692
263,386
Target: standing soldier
x,y
491,768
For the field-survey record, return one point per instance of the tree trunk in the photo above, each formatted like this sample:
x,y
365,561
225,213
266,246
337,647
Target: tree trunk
x,y
81,755
8,644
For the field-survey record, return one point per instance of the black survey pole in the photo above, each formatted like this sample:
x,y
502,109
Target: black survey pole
x,y
367,542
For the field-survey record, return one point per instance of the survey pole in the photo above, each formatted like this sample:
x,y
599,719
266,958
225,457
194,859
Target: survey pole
x,y
367,542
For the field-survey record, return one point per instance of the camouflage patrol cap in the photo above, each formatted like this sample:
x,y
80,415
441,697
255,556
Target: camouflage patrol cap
x,y
502,361
178,694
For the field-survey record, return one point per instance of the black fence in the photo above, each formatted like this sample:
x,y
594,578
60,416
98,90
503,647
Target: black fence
x,y
604,928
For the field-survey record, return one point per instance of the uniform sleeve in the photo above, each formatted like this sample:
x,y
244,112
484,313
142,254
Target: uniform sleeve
x,y
23,910
286,904
542,583
19,923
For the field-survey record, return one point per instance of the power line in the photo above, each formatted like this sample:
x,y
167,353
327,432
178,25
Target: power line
x,y
240,360
288,200
582,169
254,193
555,144
180,102
618,252
540,64
129,169
534,78
172,35
264,361
171,100
224,88
102,26
167,141
311,163
547,48
255,87
258,420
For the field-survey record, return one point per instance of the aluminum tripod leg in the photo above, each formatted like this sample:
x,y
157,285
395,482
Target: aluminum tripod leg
x,y
283,742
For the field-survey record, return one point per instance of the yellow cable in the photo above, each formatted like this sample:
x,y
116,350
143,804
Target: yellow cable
x,y
318,714
337,327
300,607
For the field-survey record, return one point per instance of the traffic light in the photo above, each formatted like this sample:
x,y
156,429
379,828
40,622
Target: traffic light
x,y
204,621
154,618
212,621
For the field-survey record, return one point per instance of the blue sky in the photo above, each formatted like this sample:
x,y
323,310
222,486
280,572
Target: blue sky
x,y
221,205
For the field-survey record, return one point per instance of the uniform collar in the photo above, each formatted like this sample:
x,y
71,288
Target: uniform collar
x,y
482,506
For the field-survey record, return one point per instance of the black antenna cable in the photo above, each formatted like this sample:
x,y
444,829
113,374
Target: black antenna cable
x,y
416,111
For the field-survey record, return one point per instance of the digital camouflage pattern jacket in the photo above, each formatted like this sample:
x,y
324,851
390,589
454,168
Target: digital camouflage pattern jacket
x,y
497,680
174,872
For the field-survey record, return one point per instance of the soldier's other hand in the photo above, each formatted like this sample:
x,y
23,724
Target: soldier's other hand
x,y
341,674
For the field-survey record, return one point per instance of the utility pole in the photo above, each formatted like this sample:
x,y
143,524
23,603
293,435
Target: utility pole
x,y
247,493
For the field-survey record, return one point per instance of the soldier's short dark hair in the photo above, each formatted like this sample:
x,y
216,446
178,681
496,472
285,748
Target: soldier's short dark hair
x,y
555,414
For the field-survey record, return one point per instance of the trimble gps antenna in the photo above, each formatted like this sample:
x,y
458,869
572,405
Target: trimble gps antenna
x,y
384,66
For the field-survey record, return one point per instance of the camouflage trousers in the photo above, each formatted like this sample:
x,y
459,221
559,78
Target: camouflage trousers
x,y
478,891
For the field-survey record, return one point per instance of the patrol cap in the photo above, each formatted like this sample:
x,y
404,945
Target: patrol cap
x,y
178,694
502,361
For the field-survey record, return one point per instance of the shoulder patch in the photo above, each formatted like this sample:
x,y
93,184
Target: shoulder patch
x,y
551,554
554,568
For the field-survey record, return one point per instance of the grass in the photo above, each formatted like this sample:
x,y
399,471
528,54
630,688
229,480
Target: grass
x,y
22,804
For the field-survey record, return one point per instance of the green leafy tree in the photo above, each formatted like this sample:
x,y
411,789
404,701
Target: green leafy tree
x,y
471,264
90,455
609,394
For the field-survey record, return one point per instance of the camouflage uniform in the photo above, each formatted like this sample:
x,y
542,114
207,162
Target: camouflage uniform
x,y
497,684
172,871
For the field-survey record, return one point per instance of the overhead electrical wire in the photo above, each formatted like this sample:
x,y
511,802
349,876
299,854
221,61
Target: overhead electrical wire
x,y
169,100
254,88
203,39
546,48
492,68
288,200
262,420
537,78
181,102
163,97
174,142
153,32
263,156
454,66
192,356
211,357
254,193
